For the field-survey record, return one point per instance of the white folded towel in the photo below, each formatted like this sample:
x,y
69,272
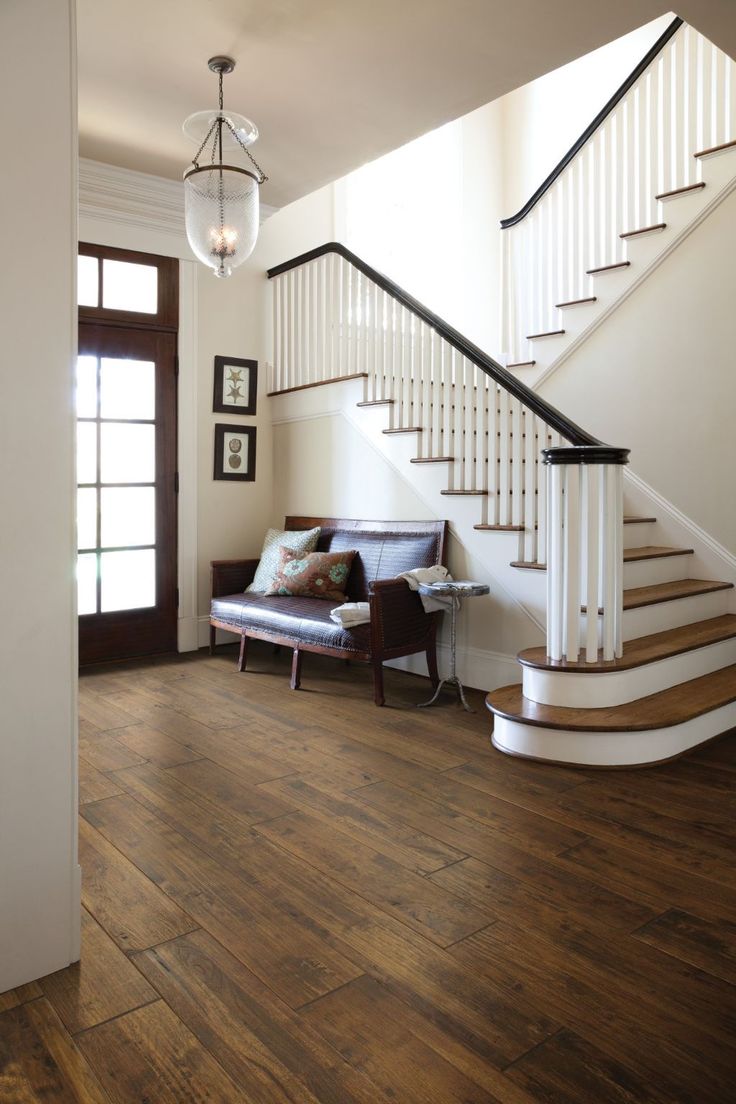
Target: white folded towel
x,y
436,574
351,613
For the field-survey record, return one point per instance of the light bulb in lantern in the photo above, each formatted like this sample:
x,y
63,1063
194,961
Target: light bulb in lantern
x,y
224,246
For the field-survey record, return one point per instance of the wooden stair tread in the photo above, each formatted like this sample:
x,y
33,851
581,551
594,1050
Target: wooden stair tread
x,y
548,333
577,302
607,268
666,592
631,555
377,402
483,493
409,429
667,707
632,519
522,364
716,149
654,552
644,649
432,460
681,191
500,528
644,230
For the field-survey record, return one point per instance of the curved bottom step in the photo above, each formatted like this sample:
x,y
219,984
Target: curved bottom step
x,y
644,732
611,749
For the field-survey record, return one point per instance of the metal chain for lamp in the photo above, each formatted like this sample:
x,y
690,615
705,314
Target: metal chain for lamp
x,y
215,132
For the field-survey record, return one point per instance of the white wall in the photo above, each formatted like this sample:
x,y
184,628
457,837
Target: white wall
x,y
39,883
658,377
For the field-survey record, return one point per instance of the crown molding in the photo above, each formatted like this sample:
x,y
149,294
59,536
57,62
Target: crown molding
x,y
134,199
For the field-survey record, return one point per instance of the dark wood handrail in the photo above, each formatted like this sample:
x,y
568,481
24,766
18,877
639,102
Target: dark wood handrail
x,y
544,410
591,129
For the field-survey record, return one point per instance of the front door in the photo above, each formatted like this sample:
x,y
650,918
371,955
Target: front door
x,y
126,474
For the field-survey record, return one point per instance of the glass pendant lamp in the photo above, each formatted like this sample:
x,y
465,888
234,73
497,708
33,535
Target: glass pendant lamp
x,y
221,200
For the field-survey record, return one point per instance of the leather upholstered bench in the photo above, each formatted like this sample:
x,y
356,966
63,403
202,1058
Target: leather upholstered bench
x,y
398,626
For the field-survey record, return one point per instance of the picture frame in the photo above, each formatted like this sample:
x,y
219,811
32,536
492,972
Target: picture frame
x,y
235,452
235,386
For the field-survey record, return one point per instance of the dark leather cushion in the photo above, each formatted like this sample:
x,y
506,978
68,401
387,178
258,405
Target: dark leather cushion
x,y
380,555
303,620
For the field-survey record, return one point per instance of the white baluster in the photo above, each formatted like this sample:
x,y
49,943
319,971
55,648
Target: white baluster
x,y
555,577
592,478
278,315
542,495
571,568
610,552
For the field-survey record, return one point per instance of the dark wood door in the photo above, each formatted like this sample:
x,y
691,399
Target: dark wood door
x,y
126,473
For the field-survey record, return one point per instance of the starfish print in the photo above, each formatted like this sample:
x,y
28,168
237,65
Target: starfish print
x,y
234,375
234,393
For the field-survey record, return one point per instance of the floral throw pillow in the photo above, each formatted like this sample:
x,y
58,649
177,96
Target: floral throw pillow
x,y
300,540
312,575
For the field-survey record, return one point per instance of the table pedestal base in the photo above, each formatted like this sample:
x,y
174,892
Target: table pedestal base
x,y
451,680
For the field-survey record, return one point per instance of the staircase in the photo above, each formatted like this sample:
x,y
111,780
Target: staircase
x,y
672,688
640,661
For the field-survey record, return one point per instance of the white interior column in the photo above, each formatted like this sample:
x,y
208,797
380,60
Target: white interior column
x,y
39,876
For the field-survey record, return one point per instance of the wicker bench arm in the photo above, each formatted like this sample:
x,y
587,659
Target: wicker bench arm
x,y
231,576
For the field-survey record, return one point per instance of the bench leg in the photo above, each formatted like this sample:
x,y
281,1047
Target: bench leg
x,y
434,675
296,670
378,696
243,654
213,639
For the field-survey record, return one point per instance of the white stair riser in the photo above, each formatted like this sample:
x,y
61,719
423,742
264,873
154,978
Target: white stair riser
x,y
663,569
589,690
638,534
641,573
674,614
610,749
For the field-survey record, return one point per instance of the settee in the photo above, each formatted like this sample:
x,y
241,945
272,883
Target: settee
x,y
398,625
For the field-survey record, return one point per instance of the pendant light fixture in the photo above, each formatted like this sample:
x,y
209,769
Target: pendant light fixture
x,y
221,200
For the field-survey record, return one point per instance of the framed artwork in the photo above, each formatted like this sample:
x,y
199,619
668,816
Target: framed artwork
x,y
236,384
235,452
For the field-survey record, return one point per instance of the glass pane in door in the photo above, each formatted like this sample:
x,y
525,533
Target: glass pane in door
x,y
127,389
128,452
87,583
128,579
130,287
88,293
87,517
128,516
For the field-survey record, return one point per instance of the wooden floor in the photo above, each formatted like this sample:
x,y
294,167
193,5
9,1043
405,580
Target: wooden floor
x,y
297,897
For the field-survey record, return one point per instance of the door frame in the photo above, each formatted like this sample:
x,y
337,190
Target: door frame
x,y
144,221
147,630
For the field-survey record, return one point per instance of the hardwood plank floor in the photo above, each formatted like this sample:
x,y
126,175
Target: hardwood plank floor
x,y
297,898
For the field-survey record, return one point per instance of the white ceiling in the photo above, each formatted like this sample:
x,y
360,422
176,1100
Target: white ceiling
x,y
331,84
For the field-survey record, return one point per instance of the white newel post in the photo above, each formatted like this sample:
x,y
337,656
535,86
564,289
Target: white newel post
x,y
585,565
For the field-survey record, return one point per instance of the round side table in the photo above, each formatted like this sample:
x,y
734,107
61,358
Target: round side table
x,y
456,591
